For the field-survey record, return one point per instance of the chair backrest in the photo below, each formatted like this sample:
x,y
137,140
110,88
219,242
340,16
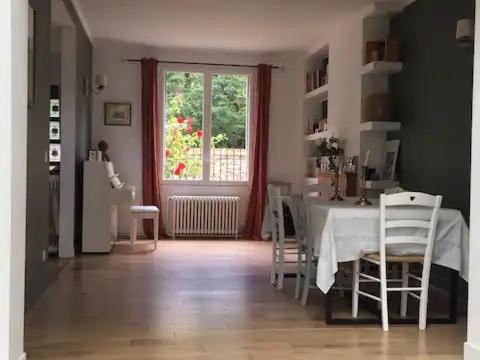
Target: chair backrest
x,y
419,231
276,212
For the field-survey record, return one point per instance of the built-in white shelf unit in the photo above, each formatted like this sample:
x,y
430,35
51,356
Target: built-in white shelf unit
x,y
319,94
384,8
380,126
319,135
382,68
315,105
375,88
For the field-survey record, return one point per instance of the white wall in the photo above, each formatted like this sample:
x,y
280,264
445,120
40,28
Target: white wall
x,y
345,82
13,136
285,156
472,346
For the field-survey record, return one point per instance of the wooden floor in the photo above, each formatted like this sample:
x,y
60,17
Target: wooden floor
x,y
204,300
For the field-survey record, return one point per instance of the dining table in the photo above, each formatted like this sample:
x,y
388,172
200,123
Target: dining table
x,y
343,232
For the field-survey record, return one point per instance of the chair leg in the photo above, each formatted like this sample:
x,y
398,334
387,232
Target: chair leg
x,y
422,323
355,287
155,231
133,230
383,295
298,281
281,265
307,276
404,295
273,273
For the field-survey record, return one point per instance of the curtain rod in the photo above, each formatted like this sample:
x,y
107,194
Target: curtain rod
x,y
196,63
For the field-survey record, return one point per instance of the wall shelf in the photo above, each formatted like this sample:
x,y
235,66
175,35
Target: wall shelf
x,y
380,184
383,8
320,93
380,126
382,68
319,135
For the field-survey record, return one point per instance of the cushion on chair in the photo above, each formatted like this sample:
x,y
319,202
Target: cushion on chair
x,y
395,258
143,209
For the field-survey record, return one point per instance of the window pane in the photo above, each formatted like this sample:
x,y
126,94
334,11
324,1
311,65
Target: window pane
x,y
183,125
229,155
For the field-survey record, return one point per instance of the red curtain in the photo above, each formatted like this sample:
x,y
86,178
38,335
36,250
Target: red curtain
x,y
150,133
256,203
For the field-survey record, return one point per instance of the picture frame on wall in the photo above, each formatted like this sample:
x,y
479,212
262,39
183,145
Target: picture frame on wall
x,y
390,159
55,153
118,114
54,130
31,57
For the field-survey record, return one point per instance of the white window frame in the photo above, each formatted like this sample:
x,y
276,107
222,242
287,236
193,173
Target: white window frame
x,y
208,72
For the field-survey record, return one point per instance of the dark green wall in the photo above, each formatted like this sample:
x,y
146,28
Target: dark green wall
x,y
432,100
40,274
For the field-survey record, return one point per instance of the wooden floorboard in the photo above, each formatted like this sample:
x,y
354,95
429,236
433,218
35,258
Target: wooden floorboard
x,y
204,300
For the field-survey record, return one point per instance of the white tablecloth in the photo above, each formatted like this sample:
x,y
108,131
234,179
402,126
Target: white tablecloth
x,y
344,232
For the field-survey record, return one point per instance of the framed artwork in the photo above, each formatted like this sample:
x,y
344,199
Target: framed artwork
x,y
31,58
54,153
54,108
54,130
390,159
118,114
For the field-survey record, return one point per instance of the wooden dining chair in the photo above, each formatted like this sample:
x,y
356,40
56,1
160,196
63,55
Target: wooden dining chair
x,y
423,235
281,245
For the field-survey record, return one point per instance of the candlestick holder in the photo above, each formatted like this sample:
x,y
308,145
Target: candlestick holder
x,y
363,201
336,194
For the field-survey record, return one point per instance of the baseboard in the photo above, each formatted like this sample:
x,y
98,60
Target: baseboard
x,y
23,357
471,352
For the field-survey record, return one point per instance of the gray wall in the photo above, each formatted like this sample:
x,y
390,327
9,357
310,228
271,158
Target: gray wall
x,y
40,274
432,100
84,111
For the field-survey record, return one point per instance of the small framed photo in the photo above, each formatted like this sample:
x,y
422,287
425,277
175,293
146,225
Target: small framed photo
x,y
118,114
55,155
92,155
390,159
54,108
54,130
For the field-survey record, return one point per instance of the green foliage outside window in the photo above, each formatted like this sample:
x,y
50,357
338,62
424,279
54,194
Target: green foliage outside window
x,y
184,120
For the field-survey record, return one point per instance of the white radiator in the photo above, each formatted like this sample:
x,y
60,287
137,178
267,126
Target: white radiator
x,y
203,215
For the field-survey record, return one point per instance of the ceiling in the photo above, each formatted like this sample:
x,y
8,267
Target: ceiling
x,y
248,25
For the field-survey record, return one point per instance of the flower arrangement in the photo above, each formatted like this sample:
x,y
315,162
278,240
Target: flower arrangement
x,y
331,148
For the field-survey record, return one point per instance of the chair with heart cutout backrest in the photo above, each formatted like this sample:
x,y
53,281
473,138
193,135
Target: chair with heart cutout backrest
x,y
408,227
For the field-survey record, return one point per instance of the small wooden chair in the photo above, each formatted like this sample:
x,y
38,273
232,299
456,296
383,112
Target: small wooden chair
x,y
141,213
424,235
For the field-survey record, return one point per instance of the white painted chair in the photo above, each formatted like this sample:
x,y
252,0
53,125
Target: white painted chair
x,y
423,234
305,257
141,213
281,246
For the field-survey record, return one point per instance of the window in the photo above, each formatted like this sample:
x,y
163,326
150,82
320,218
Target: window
x,y
183,125
193,119
229,157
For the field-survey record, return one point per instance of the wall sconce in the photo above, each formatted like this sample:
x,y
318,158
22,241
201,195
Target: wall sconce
x,y
465,33
99,85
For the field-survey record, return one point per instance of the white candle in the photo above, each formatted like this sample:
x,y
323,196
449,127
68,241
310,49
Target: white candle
x,y
367,157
